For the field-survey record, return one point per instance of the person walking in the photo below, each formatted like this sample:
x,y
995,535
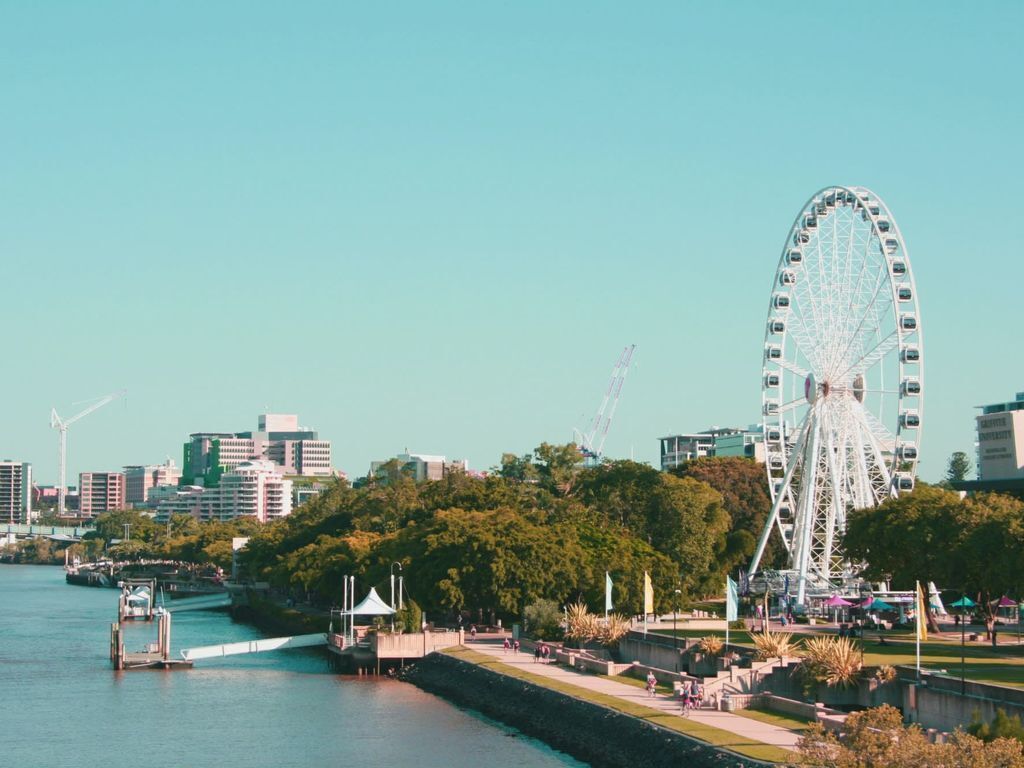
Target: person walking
x,y
536,653
544,653
472,631
515,646
652,684
506,645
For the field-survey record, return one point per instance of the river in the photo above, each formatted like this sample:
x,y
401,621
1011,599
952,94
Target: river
x,y
61,704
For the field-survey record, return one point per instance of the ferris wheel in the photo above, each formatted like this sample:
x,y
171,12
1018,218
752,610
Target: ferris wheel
x,y
842,379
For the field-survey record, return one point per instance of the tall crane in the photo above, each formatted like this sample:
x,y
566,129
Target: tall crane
x,y
62,426
603,418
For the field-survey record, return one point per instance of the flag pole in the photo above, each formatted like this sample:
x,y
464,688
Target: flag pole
x,y
917,633
727,597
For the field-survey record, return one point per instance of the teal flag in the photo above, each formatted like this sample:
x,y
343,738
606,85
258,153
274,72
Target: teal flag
x,y
607,592
732,600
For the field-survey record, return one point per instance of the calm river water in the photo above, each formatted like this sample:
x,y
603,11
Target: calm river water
x,y
61,704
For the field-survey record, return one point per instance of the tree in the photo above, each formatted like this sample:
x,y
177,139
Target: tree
x,y
746,497
958,468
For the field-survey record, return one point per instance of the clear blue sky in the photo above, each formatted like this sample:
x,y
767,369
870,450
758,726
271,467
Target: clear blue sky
x,y
434,226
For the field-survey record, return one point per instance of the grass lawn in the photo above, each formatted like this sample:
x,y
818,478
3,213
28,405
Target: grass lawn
x,y
714,736
791,722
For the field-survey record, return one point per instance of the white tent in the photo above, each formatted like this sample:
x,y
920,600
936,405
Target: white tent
x,y
372,605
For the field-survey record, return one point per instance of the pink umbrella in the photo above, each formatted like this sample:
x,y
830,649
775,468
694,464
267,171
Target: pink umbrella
x,y
836,601
1005,602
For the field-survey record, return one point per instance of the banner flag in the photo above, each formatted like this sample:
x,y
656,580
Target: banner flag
x,y
732,600
607,592
648,594
919,611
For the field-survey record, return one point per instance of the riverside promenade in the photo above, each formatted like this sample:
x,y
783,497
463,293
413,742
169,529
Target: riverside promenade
x,y
749,730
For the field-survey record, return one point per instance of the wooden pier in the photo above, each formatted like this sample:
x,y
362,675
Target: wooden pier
x,y
155,656
368,653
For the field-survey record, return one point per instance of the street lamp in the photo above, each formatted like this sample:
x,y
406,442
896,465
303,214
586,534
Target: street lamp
x,y
675,610
127,531
393,591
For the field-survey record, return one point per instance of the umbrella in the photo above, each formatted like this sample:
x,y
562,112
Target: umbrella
x,y
1005,602
963,602
880,605
836,601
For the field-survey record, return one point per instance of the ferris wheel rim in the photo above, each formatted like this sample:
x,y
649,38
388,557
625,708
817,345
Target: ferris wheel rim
x,y
884,231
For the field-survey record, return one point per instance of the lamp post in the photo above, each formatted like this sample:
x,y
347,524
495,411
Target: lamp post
x,y
127,531
675,610
963,604
393,591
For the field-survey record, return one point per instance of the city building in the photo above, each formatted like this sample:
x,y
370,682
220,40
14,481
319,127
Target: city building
x,y
1001,440
15,492
252,489
715,441
141,480
421,466
100,492
278,438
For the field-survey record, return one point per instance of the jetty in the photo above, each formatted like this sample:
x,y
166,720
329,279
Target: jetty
x,y
154,656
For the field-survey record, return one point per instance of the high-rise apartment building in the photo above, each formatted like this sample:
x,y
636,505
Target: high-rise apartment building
x,y
141,480
15,492
252,489
278,439
421,466
100,492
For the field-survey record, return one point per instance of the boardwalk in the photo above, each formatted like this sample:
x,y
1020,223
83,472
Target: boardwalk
x,y
751,730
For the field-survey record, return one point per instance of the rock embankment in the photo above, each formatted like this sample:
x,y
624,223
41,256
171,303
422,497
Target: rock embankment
x,y
589,732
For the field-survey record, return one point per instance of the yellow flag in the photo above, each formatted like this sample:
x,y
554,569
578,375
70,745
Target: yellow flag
x,y
648,594
922,617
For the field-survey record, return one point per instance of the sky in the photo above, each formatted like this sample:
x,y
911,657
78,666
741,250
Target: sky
x,y
434,226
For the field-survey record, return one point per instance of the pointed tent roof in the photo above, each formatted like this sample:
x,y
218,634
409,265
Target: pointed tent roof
x,y
372,605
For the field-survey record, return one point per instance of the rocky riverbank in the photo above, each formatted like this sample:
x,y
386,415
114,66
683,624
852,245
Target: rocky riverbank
x,y
588,732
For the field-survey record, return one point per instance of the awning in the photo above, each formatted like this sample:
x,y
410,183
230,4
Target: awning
x,y
372,605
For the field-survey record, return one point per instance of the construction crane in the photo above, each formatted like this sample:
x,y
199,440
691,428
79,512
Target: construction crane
x,y
590,449
62,426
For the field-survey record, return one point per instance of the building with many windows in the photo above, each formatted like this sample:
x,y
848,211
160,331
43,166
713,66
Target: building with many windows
x,y
422,466
716,441
278,438
252,489
141,480
15,492
100,492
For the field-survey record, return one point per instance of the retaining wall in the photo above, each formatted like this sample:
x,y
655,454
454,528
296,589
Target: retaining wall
x,y
592,733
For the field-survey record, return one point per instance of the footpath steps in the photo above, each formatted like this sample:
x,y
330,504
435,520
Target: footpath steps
x,y
753,730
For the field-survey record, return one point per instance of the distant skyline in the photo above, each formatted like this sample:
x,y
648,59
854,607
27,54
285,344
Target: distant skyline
x,y
434,226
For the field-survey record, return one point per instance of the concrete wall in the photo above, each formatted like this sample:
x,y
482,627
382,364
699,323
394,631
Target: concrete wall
x,y
938,703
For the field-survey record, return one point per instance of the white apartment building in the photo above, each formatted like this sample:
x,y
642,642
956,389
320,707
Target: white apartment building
x,y
15,492
252,489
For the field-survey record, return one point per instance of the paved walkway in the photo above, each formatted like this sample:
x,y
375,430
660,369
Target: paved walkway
x,y
753,730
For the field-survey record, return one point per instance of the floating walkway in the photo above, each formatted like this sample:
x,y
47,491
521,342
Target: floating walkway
x,y
254,646
200,603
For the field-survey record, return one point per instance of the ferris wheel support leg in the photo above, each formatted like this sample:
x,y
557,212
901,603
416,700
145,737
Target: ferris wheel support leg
x,y
805,517
774,514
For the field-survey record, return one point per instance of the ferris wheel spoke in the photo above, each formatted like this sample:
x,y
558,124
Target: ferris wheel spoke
x,y
793,368
867,361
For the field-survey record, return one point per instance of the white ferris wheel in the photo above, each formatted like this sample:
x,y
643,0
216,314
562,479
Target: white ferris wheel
x,y
842,379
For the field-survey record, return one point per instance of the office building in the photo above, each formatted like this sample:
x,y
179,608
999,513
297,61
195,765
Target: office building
x,y
15,492
716,441
1001,440
100,492
141,480
278,438
421,466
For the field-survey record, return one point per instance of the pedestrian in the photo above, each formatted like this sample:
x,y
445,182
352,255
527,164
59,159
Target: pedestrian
x,y
652,683
506,645
472,631
536,653
544,653
515,646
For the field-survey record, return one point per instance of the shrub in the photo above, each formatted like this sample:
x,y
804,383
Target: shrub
x,y
1003,726
885,673
772,645
740,624
543,619
834,661
712,645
